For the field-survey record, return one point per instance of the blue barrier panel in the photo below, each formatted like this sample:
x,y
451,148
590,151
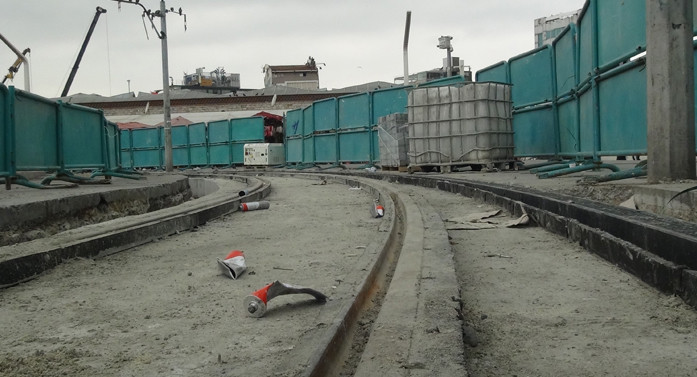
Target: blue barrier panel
x,y
565,60
531,77
586,48
622,126
325,114
309,149
147,147
621,29
4,129
82,131
569,142
388,101
126,148
294,150
308,121
452,80
198,148
247,129
325,148
496,73
36,134
294,122
354,111
180,145
354,146
534,133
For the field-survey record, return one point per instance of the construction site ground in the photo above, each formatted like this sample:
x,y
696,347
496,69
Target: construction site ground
x,y
501,301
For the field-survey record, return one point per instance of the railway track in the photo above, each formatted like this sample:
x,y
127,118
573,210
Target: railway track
x,y
406,314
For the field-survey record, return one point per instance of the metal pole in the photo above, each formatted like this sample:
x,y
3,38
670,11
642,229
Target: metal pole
x,y
165,89
450,63
22,58
406,49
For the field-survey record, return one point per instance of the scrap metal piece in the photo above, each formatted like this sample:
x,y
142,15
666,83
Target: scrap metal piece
x,y
256,303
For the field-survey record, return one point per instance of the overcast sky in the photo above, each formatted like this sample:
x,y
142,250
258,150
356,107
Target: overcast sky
x,y
358,40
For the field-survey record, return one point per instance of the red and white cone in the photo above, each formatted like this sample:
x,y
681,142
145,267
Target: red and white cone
x,y
378,210
253,206
233,265
257,301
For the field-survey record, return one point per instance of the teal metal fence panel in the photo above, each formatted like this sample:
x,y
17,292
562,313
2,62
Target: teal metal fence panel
x,y
237,150
7,149
495,73
569,135
531,77
308,121
294,150
623,128
325,148
219,140
147,147
294,123
126,149
587,133
354,111
325,115
533,133
452,80
621,29
247,129
219,132
309,149
565,60
180,146
113,144
388,101
198,147
36,132
586,47
354,146
82,131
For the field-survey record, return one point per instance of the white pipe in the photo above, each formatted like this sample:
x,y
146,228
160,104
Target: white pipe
x,y
23,59
406,48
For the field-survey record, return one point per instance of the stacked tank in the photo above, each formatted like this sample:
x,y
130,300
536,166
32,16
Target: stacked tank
x,y
460,125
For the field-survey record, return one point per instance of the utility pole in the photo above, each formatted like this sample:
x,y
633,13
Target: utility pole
x,y
670,96
165,89
162,35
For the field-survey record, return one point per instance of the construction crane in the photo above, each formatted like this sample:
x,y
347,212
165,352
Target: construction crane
x,y
99,12
14,68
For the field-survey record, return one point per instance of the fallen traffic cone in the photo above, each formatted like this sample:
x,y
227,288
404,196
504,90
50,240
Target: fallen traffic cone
x,y
233,265
251,206
378,210
256,302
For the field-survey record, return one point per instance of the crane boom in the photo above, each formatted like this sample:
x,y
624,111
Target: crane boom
x,y
99,12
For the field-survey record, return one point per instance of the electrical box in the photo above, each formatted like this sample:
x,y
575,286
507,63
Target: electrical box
x,y
264,154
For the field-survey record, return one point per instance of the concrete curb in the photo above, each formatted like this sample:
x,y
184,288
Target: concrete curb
x,y
658,250
25,261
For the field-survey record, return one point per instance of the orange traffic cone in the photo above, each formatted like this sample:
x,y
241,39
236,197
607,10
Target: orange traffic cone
x,y
233,265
